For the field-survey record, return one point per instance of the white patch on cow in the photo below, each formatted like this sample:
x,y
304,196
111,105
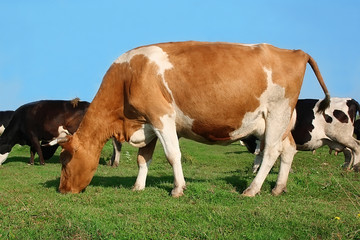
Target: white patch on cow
x,y
153,53
167,134
142,136
251,45
273,98
3,157
156,55
2,129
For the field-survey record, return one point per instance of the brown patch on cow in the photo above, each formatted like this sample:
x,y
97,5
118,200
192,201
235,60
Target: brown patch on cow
x,y
327,118
341,116
222,90
211,132
229,82
288,70
145,93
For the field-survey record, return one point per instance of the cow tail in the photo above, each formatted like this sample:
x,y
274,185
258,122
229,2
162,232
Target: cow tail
x,y
324,104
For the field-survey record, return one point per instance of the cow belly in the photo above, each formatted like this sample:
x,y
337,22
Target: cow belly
x,y
314,143
2,129
253,124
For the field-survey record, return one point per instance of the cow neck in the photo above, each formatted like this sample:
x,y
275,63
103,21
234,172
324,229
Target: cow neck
x,y
91,133
102,116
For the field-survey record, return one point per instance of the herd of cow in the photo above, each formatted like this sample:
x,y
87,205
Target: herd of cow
x,y
214,93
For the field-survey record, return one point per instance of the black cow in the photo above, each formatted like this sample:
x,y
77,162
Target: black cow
x,y
335,128
5,117
41,121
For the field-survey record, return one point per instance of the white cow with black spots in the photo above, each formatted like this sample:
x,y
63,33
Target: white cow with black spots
x,y
334,128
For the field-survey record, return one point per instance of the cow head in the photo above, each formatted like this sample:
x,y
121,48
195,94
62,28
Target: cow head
x,y
76,174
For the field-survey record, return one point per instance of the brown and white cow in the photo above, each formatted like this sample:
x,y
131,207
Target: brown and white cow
x,y
214,93
334,127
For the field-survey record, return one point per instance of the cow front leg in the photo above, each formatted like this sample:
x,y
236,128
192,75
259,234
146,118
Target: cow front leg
x,y
36,148
32,156
170,142
286,158
144,158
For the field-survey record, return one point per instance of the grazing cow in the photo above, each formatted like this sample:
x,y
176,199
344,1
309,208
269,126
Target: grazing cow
x,y
334,127
41,121
214,93
5,117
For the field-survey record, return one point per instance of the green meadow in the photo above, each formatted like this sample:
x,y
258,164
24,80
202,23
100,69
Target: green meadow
x,y
322,202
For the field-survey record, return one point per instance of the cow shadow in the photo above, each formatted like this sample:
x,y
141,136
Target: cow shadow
x,y
26,160
238,152
163,182
109,181
53,160
241,180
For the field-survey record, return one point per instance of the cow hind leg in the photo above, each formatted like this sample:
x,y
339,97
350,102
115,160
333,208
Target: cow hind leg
x,y
275,130
144,160
286,158
354,146
271,153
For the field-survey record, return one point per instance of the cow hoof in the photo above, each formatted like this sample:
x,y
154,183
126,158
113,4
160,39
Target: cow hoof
x,y
346,167
115,165
177,192
249,192
138,188
357,167
278,190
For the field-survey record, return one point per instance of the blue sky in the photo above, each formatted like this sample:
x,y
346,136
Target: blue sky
x,y
62,49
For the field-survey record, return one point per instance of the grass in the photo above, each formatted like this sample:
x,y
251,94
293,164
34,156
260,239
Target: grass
x,y
323,201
